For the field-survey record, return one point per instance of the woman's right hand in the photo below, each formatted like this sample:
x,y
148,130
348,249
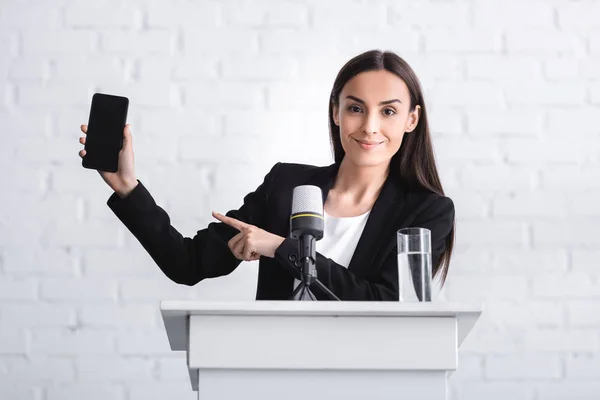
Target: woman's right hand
x,y
123,181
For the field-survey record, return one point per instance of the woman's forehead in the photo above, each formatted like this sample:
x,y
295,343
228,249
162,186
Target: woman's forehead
x,y
376,86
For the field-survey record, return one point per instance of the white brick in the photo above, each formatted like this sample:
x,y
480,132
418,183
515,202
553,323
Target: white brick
x,y
490,122
509,14
484,288
172,369
84,234
39,370
246,14
499,178
101,15
462,40
530,206
561,68
530,262
523,367
583,366
23,16
300,42
51,94
457,150
162,391
260,68
117,262
429,14
356,42
583,260
107,316
85,68
470,260
212,95
579,16
547,93
37,315
482,340
561,121
58,42
53,342
565,285
113,369
497,233
435,66
19,261
183,14
12,342
495,391
572,390
498,67
468,93
445,121
581,232
359,16
77,391
553,340
143,343
594,40
471,207
589,67
11,390
231,41
137,43
29,68
287,15
583,314
80,289
510,314
297,95
544,42
18,288
144,290
536,151
192,66
594,89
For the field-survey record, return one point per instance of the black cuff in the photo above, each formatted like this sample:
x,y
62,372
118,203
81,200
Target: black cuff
x,y
138,199
287,255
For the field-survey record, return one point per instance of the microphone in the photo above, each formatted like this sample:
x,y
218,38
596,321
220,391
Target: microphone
x,y
307,225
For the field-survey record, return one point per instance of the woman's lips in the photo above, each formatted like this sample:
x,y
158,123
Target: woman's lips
x,y
367,146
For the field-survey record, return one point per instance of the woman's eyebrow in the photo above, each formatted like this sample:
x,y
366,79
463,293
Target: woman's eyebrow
x,y
381,104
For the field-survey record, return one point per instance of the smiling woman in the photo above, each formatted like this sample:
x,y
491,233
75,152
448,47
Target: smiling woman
x,y
383,178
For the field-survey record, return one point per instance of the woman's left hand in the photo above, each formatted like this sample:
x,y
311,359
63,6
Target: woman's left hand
x,y
252,242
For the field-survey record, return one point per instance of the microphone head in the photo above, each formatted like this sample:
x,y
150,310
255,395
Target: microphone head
x,y
307,212
307,199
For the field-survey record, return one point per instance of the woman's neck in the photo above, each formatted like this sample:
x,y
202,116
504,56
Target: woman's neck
x,y
359,183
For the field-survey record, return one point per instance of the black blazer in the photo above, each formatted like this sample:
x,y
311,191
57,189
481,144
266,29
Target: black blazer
x,y
371,275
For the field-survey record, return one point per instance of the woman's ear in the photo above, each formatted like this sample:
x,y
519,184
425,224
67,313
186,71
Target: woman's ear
x,y
334,113
413,119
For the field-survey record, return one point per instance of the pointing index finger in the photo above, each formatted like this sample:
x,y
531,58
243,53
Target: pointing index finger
x,y
236,223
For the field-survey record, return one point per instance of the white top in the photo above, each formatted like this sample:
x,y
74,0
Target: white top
x,y
340,237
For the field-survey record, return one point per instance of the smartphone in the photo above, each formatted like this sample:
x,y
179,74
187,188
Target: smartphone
x,y
104,137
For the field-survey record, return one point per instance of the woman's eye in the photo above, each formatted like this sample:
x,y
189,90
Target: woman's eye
x,y
389,114
354,108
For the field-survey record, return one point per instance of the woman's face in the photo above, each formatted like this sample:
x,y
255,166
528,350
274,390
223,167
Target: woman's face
x,y
373,115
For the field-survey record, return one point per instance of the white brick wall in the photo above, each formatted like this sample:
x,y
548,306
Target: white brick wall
x,y
514,99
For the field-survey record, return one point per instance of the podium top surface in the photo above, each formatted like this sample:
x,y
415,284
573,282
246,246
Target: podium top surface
x,y
175,313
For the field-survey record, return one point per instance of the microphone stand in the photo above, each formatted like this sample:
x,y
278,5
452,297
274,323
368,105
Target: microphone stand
x,y
308,272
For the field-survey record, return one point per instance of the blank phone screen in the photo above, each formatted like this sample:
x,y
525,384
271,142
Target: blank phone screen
x,y
104,137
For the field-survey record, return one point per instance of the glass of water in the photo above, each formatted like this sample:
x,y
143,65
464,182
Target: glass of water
x,y
414,264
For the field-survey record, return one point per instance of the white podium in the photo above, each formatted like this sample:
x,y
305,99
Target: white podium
x,y
293,350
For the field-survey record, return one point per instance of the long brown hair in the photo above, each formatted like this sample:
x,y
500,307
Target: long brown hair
x,y
415,160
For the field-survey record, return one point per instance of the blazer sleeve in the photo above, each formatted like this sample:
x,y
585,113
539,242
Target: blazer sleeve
x,y
187,260
438,217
